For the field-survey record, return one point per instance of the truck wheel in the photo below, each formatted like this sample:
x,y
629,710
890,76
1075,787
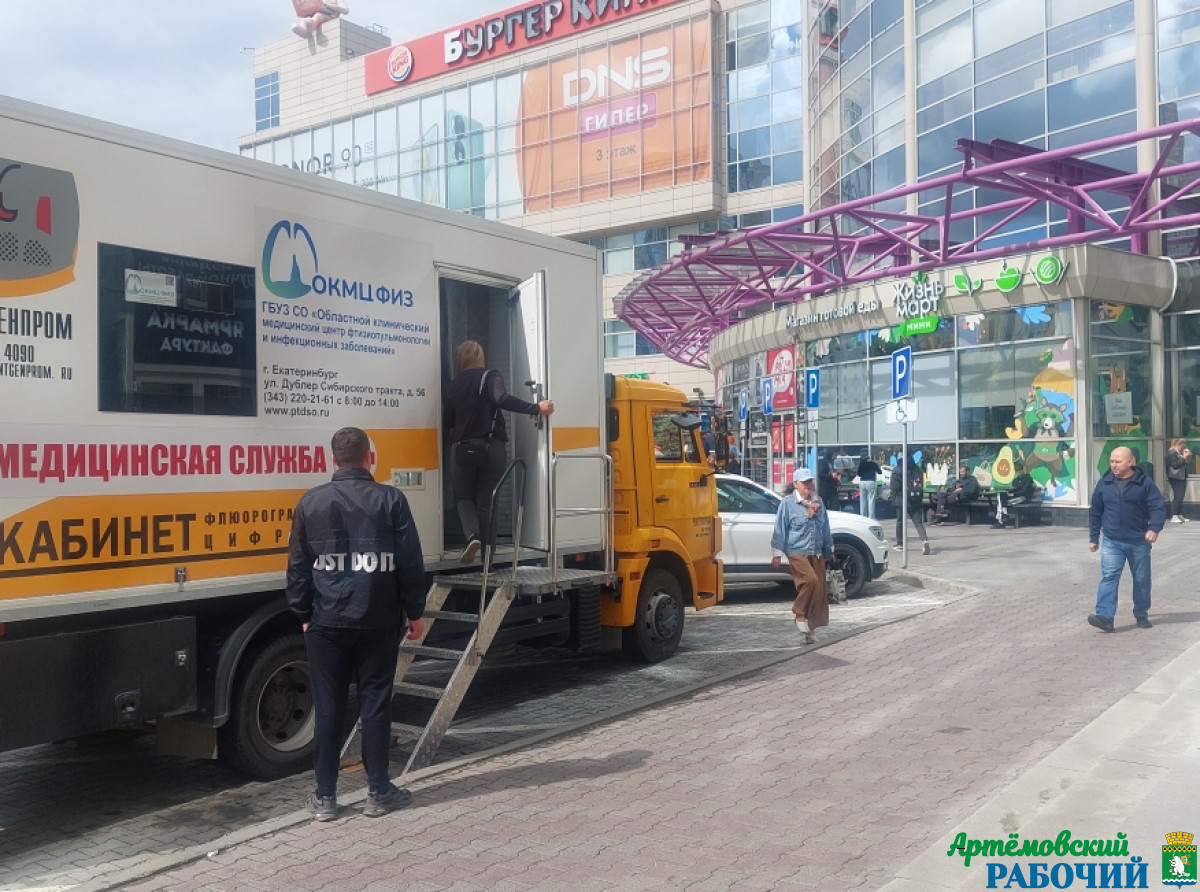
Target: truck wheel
x,y
850,561
658,625
270,729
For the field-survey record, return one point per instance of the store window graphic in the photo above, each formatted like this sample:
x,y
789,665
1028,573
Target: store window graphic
x,y
39,228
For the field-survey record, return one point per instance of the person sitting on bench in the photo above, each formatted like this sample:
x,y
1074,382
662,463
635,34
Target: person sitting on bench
x,y
962,490
1022,491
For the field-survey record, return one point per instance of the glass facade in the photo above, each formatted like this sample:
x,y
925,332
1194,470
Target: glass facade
x,y
993,389
1043,73
856,89
764,78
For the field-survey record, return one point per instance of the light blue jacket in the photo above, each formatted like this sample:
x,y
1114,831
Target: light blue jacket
x,y
796,533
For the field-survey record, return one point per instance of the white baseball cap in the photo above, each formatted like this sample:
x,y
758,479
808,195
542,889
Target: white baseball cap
x,y
802,475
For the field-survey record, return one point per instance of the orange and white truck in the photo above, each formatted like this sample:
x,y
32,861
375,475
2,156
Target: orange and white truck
x,y
181,332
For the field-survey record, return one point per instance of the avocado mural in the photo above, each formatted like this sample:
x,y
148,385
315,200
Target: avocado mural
x,y
1043,424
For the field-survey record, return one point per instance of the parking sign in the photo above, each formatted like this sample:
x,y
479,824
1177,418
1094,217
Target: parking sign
x,y
767,394
812,388
902,373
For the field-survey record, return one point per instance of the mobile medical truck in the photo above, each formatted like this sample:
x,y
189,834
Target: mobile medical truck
x,y
181,332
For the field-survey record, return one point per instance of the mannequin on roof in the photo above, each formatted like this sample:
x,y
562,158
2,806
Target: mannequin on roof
x,y
315,13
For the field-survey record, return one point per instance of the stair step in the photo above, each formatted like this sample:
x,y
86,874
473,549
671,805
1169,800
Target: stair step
x,y
452,615
413,730
437,653
429,692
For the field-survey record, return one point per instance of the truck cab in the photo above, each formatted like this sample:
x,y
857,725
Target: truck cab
x,y
666,532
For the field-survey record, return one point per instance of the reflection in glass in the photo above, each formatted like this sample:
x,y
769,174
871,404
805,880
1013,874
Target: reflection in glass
x,y
1090,28
1094,95
1120,368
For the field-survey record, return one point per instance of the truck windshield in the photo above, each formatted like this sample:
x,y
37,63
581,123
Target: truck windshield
x,y
671,443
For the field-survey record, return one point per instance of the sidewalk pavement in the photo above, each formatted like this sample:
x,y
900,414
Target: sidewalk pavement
x,y
848,767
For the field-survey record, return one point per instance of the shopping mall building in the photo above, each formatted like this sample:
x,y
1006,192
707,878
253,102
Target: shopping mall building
x,y
781,185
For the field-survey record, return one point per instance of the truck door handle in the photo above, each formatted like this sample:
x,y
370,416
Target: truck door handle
x,y
661,499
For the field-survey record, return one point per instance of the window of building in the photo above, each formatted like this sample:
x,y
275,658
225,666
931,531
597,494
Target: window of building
x,y
1183,381
621,341
266,101
1119,364
765,106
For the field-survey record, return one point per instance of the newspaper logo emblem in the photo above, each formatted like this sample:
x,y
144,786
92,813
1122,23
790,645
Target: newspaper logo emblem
x,y
1179,860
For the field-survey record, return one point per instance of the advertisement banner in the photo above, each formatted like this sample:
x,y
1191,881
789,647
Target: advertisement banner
x,y
618,119
493,37
781,366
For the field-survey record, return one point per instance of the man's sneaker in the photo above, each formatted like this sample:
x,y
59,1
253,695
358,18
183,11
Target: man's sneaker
x,y
1103,623
471,551
925,547
322,808
1144,622
802,627
1177,519
379,804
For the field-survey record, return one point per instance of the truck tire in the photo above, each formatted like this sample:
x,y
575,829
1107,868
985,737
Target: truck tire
x,y
848,559
270,729
658,624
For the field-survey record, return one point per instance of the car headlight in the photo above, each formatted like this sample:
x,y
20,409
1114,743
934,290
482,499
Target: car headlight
x,y
877,531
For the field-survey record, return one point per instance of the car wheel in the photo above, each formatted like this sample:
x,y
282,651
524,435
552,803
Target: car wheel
x,y
848,559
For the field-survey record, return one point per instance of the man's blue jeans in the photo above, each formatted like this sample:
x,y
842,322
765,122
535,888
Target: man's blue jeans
x,y
1113,555
866,498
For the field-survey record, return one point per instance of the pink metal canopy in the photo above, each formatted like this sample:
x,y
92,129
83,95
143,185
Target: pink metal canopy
x,y
680,305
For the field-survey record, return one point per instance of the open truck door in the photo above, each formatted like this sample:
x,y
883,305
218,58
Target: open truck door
x,y
529,352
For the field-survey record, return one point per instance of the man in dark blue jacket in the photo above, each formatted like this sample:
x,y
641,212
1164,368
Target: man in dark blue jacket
x,y
355,572
964,489
1128,507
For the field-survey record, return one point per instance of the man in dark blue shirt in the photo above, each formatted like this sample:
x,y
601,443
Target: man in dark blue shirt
x,y
1128,507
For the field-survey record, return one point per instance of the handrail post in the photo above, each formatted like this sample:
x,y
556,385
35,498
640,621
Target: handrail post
x,y
490,547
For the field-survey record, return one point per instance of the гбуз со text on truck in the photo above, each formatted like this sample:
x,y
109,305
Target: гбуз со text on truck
x,y
181,332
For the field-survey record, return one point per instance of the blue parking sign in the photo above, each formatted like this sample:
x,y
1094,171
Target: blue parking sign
x,y
743,404
812,388
902,374
767,394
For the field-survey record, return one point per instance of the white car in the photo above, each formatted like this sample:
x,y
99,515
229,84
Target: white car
x,y
748,518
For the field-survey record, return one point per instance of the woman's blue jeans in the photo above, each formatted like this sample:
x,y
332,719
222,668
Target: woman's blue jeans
x,y
1113,555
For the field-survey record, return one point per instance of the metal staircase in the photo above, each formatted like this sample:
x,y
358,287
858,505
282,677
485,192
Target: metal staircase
x,y
497,594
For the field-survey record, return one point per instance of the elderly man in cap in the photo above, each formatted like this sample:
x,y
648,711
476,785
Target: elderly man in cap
x,y
802,535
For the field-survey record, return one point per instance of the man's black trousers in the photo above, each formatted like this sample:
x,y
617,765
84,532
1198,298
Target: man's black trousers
x,y
336,657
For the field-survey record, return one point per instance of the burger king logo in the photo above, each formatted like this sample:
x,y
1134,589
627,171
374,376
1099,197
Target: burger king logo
x,y
400,63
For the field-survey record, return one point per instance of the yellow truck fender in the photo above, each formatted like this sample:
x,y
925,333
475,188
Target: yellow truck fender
x,y
700,581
